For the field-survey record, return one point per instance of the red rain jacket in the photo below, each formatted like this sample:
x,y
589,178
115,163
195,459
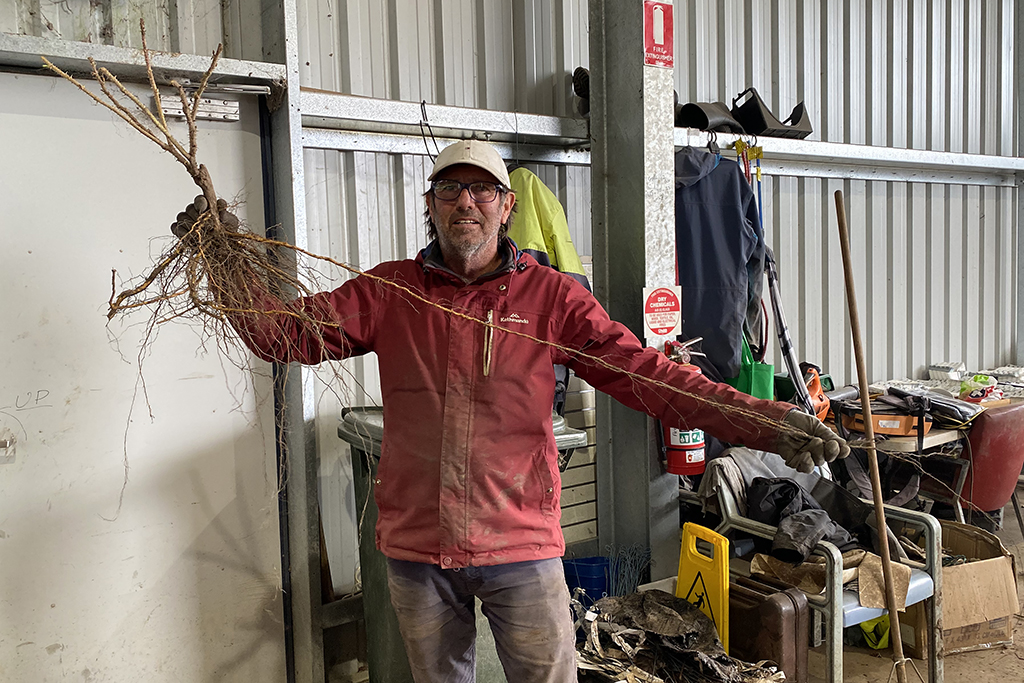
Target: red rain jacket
x,y
468,473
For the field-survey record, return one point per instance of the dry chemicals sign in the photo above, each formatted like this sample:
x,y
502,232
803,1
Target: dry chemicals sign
x,y
663,311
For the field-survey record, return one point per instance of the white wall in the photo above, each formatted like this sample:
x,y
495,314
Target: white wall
x,y
181,580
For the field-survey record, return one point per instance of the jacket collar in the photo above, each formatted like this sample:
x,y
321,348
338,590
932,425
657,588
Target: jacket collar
x,y
430,258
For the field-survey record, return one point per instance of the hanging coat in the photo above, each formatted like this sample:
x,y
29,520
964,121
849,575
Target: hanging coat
x,y
540,228
720,255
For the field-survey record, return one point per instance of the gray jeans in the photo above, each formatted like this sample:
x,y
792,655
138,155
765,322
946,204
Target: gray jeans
x,y
526,604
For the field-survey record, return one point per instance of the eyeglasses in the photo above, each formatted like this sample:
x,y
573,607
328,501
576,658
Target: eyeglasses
x,y
480,191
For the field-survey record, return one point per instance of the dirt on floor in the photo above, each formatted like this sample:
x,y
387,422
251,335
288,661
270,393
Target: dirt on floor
x,y
1001,664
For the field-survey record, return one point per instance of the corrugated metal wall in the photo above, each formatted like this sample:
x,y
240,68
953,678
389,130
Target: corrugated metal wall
x,y
913,73
187,26
936,272
456,52
936,263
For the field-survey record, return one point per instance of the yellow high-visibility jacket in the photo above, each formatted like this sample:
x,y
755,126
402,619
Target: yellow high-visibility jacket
x,y
540,228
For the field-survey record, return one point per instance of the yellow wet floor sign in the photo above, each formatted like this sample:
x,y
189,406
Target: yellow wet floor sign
x,y
704,581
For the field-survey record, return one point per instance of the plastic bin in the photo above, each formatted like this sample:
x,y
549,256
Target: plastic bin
x,y
588,573
996,453
363,429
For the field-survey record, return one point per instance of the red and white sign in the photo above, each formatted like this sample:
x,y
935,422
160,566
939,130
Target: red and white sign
x,y
663,313
658,33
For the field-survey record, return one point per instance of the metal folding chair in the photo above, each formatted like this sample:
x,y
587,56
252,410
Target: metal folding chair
x,y
840,608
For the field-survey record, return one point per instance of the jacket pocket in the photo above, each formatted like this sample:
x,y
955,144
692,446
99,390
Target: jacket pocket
x,y
488,342
548,486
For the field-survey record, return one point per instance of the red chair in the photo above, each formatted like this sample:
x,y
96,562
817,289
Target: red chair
x,y
996,451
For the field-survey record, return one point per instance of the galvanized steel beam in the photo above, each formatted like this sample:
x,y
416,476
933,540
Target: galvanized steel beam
x,y
632,162
322,109
813,159
23,52
393,143
386,126
294,398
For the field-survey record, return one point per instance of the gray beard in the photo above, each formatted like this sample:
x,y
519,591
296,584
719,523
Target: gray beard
x,y
463,251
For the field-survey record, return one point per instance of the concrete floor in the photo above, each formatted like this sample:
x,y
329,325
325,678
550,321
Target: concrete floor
x,y
1002,664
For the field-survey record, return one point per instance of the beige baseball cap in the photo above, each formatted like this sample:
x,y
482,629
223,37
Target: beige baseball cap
x,y
475,153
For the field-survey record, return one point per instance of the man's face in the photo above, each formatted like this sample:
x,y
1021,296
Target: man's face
x,y
466,228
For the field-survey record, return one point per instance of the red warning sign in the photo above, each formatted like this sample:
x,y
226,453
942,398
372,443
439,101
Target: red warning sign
x,y
663,313
658,33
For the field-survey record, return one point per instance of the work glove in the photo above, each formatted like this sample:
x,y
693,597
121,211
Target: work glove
x,y
816,445
186,219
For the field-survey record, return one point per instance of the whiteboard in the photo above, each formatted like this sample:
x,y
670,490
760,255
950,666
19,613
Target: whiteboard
x,y
180,580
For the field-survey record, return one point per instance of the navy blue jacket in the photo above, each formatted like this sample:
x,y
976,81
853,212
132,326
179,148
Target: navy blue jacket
x,y
720,256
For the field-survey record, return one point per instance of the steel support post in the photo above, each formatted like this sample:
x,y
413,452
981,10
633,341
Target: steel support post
x,y
293,396
631,118
1018,146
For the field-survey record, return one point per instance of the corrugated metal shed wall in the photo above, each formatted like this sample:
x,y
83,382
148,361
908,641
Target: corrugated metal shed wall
x,y
936,263
187,26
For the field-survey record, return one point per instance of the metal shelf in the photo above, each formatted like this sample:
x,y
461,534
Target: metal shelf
x,y
128,63
809,158
347,122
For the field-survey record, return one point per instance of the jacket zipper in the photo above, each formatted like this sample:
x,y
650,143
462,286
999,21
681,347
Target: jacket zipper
x,y
488,342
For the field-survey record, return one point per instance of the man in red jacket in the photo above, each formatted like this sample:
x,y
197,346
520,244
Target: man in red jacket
x,y
468,486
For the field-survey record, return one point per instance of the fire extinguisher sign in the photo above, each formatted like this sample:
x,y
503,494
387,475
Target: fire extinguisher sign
x,y
658,33
663,312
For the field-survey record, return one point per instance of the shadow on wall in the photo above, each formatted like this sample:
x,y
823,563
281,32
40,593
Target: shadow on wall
x,y
223,591
184,585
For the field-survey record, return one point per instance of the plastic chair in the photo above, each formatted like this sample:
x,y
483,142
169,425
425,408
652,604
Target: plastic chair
x,y
840,608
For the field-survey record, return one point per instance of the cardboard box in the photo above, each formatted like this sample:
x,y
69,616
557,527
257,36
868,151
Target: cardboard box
x,y
979,598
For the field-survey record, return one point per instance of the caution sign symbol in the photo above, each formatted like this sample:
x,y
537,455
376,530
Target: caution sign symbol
x,y
699,598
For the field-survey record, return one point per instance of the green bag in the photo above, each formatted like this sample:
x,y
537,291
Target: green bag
x,y
876,632
755,378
